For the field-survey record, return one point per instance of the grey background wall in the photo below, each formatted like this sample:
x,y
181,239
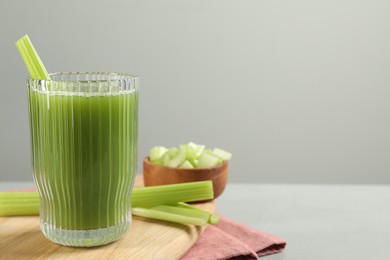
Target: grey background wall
x,y
298,91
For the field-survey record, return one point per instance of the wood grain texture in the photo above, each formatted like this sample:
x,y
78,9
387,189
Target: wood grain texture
x,y
21,238
153,172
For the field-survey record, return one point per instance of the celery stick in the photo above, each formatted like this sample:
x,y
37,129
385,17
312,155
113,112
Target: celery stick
x,y
19,209
167,216
18,195
12,203
189,212
179,213
165,194
212,218
31,59
19,203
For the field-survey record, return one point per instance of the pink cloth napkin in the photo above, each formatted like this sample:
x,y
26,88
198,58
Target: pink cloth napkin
x,y
229,239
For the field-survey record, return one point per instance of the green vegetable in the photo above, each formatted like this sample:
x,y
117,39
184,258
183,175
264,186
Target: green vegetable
x,y
188,156
180,212
27,203
174,214
191,150
156,153
198,149
168,155
19,203
186,165
194,162
208,160
224,155
31,59
212,218
172,193
176,161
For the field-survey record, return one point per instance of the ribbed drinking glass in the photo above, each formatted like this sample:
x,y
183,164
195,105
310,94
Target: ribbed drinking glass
x,y
83,130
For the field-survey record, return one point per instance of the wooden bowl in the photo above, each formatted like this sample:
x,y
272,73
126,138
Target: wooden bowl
x,y
155,174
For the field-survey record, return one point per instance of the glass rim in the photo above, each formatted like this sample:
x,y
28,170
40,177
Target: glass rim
x,y
85,83
117,76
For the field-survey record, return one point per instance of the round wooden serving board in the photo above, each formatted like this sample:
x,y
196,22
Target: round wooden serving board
x,y
21,238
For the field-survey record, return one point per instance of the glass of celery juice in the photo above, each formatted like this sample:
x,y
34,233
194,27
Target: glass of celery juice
x,y
84,154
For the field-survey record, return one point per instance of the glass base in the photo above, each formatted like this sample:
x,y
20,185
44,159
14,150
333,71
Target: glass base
x,y
84,238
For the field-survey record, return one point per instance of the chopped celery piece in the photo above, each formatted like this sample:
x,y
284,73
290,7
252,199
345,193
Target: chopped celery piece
x,y
186,165
208,151
169,155
156,153
164,159
194,162
224,155
168,216
198,148
176,161
191,150
172,152
31,59
212,218
207,160
26,203
188,151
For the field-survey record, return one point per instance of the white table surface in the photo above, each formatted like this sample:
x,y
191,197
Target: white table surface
x,y
318,221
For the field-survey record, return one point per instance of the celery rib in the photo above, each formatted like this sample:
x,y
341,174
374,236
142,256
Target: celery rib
x,y
11,203
12,195
212,218
15,209
166,194
183,211
31,59
179,213
168,216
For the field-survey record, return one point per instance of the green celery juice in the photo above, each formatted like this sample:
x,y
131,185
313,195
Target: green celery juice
x,y
84,156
